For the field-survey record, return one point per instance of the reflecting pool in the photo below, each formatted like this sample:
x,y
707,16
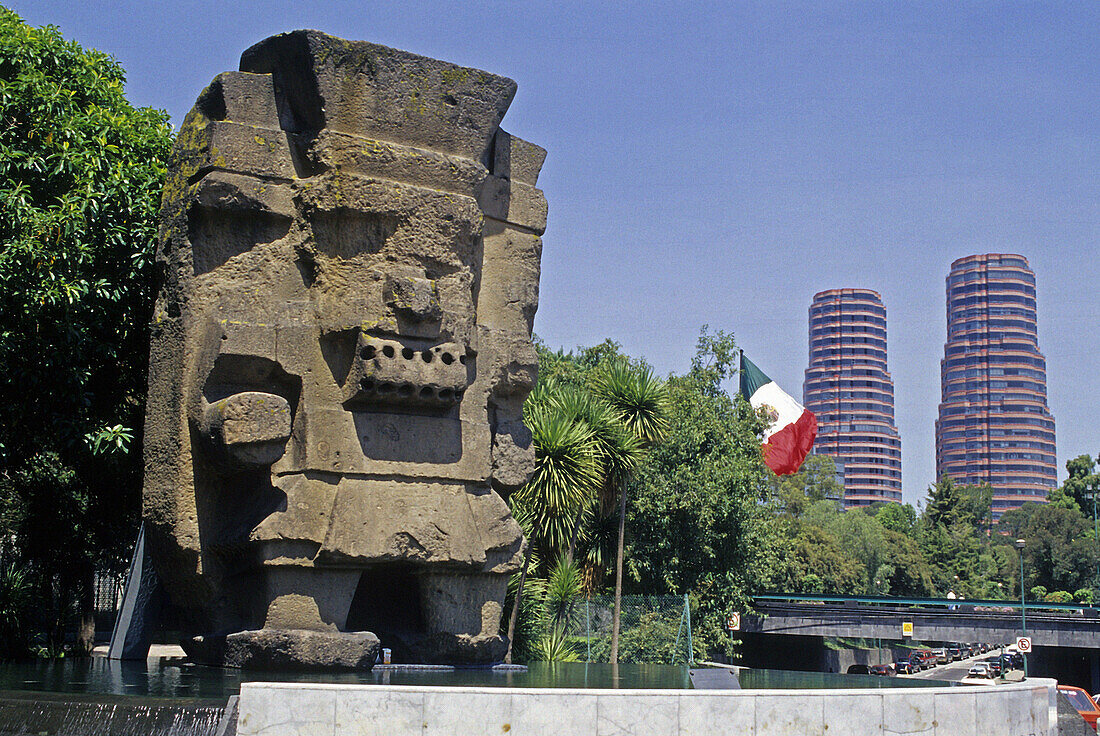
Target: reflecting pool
x,y
169,677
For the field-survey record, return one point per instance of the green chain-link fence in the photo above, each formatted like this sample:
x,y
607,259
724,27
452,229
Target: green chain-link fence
x,y
653,629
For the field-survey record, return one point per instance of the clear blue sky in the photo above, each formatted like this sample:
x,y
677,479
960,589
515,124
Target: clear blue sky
x,y
721,164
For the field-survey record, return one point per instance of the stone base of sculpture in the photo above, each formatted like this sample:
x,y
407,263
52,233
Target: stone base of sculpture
x,y
286,649
440,648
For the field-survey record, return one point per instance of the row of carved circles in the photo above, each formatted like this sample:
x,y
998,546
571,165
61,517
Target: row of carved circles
x,y
368,352
408,391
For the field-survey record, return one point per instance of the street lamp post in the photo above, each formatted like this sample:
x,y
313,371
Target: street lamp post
x,y
1023,602
1000,588
1096,534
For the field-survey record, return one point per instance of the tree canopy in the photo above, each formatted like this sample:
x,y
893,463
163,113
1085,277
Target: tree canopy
x,y
80,177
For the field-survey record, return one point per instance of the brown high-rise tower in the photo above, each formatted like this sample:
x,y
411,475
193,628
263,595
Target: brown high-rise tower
x,y
994,425
849,389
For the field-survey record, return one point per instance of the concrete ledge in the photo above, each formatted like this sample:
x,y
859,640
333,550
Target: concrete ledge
x,y
282,709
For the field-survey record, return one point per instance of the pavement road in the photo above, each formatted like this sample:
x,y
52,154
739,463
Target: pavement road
x,y
956,671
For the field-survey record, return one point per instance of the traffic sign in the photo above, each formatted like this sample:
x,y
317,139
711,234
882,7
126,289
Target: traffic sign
x,y
734,622
907,628
1023,643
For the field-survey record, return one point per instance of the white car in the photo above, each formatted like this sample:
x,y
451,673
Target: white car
x,y
979,670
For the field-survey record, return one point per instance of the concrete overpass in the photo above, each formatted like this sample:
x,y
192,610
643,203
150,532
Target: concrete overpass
x,y
933,619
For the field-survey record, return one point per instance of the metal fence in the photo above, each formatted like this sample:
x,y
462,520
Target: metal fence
x,y
108,598
655,629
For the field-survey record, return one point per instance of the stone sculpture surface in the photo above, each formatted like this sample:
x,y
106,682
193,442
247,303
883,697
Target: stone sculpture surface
x,y
341,350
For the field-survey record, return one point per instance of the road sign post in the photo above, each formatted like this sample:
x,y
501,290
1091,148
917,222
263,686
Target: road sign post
x,y
1023,645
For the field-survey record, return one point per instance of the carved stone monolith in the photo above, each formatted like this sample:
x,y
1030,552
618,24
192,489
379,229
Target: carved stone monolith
x,y
340,354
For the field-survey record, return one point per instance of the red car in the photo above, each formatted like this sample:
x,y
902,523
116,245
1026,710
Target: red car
x,y
886,670
1083,702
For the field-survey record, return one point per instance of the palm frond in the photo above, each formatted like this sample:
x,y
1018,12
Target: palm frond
x,y
563,587
555,646
566,478
618,449
640,398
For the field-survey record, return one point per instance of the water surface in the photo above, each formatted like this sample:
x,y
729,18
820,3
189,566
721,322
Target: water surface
x,y
165,677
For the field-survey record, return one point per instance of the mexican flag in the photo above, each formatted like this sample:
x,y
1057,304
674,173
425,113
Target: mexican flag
x,y
790,436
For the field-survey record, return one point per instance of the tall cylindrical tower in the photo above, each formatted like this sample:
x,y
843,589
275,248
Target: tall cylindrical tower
x,y
849,389
994,425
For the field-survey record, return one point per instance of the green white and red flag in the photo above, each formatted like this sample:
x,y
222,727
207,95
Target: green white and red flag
x,y
790,435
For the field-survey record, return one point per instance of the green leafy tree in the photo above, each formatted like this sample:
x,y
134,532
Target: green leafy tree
x,y
905,572
954,537
1061,498
897,517
815,481
696,513
942,506
865,539
1083,483
816,563
80,177
975,506
1060,552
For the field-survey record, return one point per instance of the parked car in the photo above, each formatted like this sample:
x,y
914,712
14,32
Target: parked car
x,y
927,659
906,667
941,656
1083,702
858,669
994,665
887,670
979,670
954,653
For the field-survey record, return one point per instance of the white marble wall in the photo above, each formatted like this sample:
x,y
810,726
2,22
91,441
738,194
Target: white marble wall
x,y
281,709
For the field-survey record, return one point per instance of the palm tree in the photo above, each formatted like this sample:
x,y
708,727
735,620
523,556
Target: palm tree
x,y
566,479
563,585
618,450
642,403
